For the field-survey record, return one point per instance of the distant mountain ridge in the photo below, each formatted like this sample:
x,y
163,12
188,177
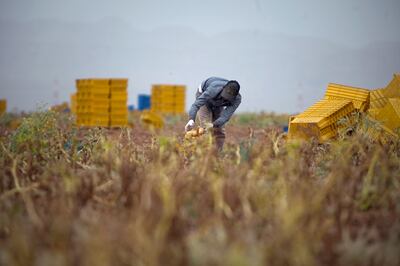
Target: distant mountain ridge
x,y
39,61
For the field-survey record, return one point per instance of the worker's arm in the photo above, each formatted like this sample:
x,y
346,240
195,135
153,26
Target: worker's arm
x,y
228,112
200,101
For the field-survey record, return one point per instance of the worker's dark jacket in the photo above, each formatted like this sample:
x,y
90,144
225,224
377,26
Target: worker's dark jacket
x,y
209,95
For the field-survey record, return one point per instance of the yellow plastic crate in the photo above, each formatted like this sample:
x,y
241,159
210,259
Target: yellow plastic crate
x,y
3,106
119,83
118,89
119,96
303,130
78,82
320,120
97,81
169,88
359,97
118,104
81,88
81,115
93,115
92,123
326,107
180,105
94,102
119,116
373,112
389,115
306,128
168,98
168,112
119,108
393,89
88,123
328,132
93,88
92,119
162,94
158,103
168,94
180,89
167,105
180,97
118,112
163,108
92,95
161,103
100,119
163,87
93,109
377,98
167,102
180,110
165,98
152,119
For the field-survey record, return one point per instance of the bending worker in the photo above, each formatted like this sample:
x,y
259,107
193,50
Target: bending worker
x,y
216,101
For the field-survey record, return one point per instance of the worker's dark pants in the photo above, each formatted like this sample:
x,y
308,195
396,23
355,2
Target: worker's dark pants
x,y
208,115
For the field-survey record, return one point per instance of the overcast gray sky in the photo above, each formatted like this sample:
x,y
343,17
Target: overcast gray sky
x,y
352,22
286,51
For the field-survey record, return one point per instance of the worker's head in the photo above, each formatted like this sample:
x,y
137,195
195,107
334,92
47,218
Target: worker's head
x,y
230,90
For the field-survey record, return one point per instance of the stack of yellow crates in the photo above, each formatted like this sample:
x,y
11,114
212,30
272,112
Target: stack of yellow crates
x,y
168,99
118,102
321,119
93,98
101,102
3,106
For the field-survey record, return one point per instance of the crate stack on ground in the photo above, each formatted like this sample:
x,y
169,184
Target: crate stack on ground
x,y
3,106
118,102
93,102
168,99
102,102
322,120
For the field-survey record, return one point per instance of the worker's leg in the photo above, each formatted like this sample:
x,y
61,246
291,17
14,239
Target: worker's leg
x,y
204,115
219,132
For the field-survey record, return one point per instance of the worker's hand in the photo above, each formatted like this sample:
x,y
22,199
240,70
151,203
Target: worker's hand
x,y
208,126
189,125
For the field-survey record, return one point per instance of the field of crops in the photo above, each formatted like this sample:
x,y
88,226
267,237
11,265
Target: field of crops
x,y
76,196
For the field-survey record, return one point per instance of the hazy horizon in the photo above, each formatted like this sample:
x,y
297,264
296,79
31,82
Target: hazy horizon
x,y
283,53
